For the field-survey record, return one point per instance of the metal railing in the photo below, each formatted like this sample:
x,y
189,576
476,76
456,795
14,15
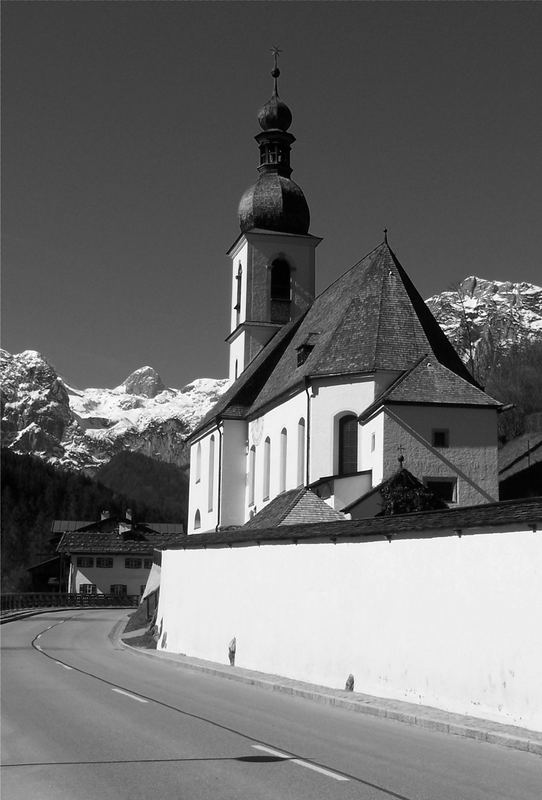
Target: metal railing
x,y
16,602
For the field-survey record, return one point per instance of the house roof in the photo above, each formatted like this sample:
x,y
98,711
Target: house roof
x,y
512,515
114,535
370,319
295,507
115,542
63,525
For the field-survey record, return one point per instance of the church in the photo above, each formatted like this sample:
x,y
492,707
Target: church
x,y
327,392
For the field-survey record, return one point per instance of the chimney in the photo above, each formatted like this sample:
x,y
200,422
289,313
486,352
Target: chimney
x,y
105,514
129,514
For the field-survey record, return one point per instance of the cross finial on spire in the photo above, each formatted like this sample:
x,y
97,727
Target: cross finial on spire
x,y
275,71
386,235
401,457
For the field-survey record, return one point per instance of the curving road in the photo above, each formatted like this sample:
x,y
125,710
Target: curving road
x,y
83,718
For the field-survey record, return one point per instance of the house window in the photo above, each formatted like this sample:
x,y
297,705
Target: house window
x,y
118,588
85,561
445,488
147,563
266,467
132,563
87,588
348,444
301,452
251,474
104,563
283,459
303,352
280,291
197,520
373,442
210,485
441,437
198,463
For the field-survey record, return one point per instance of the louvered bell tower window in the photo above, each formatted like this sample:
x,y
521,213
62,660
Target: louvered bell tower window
x,y
281,291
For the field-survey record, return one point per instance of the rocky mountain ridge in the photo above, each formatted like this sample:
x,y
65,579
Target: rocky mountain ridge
x,y
482,318
83,429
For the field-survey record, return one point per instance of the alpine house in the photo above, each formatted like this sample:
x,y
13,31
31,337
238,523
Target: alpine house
x,y
327,392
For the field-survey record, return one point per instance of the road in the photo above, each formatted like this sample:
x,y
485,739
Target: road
x,y
85,718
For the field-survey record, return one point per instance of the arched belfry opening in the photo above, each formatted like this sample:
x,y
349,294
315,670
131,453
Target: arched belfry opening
x,y
281,290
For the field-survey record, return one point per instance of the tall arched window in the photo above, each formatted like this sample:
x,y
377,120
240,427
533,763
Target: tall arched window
x,y
266,467
283,459
251,474
301,452
281,292
197,520
211,482
348,444
198,462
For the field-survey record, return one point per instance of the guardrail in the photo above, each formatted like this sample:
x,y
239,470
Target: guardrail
x,y
15,602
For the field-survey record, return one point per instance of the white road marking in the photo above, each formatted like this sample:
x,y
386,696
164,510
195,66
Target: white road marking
x,y
301,763
39,648
133,696
60,664
38,636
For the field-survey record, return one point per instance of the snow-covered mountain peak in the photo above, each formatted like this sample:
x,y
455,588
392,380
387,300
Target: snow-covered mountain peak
x,y
145,382
85,427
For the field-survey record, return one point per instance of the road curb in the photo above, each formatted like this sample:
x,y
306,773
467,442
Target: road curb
x,y
482,733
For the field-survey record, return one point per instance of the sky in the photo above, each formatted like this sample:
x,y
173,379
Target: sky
x,y
127,132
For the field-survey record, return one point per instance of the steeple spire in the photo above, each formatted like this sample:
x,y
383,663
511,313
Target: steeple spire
x,y
276,71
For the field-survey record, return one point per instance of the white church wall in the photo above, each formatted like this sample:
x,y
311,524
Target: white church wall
x,y
270,425
447,622
372,447
233,477
472,450
330,400
203,487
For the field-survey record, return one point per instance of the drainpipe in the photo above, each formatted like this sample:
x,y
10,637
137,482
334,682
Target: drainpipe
x,y
219,488
308,447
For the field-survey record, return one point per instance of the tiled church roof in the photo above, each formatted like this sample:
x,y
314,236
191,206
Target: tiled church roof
x,y
371,318
294,507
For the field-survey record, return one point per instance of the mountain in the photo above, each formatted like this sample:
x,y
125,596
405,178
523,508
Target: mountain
x,y
85,428
484,318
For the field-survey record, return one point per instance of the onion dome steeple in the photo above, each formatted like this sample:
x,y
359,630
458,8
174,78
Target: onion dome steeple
x,y
275,202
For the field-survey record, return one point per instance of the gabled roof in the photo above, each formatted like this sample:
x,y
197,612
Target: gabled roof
x,y
370,319
114,542
295,507
428,381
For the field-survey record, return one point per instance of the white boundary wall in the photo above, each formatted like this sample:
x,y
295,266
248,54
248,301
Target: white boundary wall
x,y
451,622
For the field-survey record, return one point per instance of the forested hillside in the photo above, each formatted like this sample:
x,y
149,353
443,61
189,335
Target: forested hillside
x,y
35,493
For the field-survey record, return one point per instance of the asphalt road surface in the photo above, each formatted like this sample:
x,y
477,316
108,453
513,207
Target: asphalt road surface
x,y
83,718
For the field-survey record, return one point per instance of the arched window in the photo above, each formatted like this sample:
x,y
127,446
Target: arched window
x,y
283,459
211,482
251,474
348,444
301,452
197,520
198,462
266,467
281,291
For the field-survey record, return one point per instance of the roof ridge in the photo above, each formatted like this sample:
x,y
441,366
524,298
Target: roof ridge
x,y
342,275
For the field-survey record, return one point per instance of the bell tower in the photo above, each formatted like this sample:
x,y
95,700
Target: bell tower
x,y
273,259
